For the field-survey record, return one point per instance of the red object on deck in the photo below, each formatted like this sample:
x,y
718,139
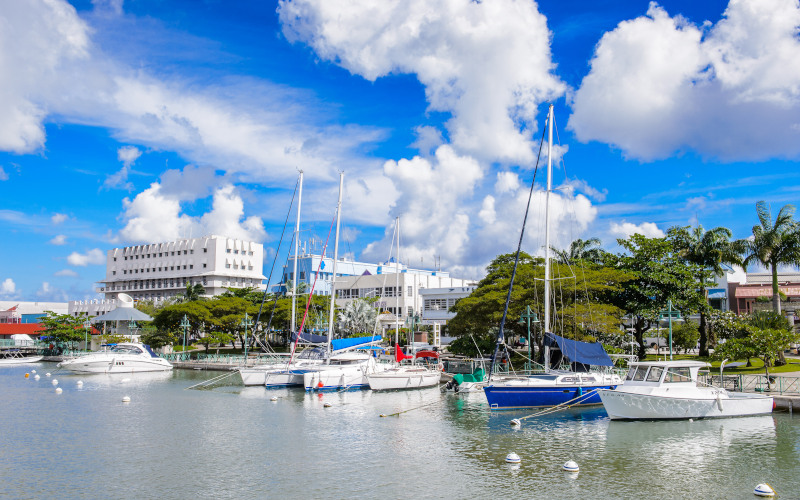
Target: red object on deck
x,y
427,354
399,355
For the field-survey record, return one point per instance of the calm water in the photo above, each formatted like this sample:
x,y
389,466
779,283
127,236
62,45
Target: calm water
x,y
233,442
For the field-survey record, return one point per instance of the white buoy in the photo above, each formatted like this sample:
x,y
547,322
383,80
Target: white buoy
x,y
126,380
273,398
126,399
33,371
571,466
515,422
37,377
58,390
513,458
55,382
79,383
691,420
327,405
47,374
764,490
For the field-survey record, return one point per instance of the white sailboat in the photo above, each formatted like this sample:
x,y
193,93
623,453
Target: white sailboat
x,y
401,376
552,387
349,369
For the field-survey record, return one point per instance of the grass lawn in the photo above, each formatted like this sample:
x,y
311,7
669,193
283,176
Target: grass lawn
x,y
793,365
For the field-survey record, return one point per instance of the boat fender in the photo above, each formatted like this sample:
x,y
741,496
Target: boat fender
x,y
580,391
719,401
775,405
441,367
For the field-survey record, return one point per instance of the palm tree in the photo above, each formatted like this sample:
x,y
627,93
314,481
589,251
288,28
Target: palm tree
x,y
358,316
774,244
581,250
709,251
193,292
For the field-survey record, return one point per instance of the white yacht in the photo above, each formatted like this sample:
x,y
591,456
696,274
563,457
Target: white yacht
x,y
409,376
15,357
127,357
670,390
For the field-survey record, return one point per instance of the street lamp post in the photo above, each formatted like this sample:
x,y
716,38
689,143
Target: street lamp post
x,y
525,318
246,323
86,325
133,328
184,324
669,314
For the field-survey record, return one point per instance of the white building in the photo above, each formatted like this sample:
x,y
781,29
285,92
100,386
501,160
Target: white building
x,y
157,271
13,311
400,296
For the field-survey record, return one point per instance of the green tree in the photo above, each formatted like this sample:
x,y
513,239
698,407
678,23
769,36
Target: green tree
x,y
708,251
217,337
170,317
685,335
61,328
660,275
227,313
764,343
581,302
156,338
774,243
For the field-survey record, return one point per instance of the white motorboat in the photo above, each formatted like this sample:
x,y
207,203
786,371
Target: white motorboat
x,y
670,390
128,357
16,357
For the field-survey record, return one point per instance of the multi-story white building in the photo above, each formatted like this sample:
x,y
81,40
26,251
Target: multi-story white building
x,y
308,264
157,271
400,296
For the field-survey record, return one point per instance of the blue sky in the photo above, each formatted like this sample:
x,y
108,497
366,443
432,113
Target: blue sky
x,y
135,121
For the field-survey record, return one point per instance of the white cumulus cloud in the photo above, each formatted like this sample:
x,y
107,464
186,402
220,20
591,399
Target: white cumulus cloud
x,y
57,219
626,229
729,90
8,287
93,257
488,64
58,239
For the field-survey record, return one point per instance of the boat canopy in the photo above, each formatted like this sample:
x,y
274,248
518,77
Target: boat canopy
x,y
310,338
579,352
339,344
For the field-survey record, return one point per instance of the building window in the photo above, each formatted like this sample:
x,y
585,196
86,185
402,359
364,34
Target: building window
x,y
115,259
410,291
204,266
191,266
184,266
228,250
227,266
185,252
205,250
173,253
172,268
191,251
124,271
114,272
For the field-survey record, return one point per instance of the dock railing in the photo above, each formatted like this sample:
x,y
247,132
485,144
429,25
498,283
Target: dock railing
x,y
775,384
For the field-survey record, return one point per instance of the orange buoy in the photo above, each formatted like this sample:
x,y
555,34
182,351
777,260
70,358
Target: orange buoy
x,y
319,384
27,375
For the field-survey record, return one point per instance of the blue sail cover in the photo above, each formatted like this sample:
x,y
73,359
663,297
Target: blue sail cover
x,y
579,352
310,338
339,344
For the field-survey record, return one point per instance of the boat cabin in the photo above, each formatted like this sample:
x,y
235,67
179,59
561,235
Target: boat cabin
x,y
664,372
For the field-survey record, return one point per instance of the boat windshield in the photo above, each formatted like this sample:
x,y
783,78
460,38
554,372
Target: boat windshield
x,y
126,349
636,373
655,374
312,353
678,375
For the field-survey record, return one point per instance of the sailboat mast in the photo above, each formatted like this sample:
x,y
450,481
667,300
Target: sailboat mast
x,y
335,258
296,248
546,324
397,288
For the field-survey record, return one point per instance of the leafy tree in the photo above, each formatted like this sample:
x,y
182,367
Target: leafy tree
x,y
227,314
582,304
466,345
170,317
764,343
661,275
685,335
62,328
709,251
728,325
774,244
217,337
156,338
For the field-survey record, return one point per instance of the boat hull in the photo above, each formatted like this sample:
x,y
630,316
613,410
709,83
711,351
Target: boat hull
x,y
504,397
20,361
621,405
116,365
333,379
399,379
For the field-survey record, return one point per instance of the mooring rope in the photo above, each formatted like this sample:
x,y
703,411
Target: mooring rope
x,y
208,382
561,406
410,409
